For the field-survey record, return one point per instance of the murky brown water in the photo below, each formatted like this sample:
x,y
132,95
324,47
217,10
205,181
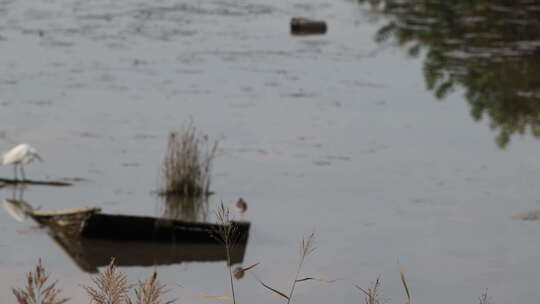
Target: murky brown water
x,y
405,133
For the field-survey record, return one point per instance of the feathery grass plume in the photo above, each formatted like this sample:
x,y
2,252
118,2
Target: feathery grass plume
x,y
373,294
150,291
401,271
307,247
36,290
484,298
187,163
111,287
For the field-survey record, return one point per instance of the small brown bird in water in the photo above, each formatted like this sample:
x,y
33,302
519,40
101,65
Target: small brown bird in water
x,y
241,205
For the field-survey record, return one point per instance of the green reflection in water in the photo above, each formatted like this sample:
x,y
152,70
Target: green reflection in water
x,y
490,48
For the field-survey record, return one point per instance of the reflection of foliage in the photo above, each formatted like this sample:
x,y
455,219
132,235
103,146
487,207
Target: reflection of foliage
x,y
185,208
491,48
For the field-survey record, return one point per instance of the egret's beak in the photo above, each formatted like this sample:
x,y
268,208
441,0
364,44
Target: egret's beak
x,y
39,158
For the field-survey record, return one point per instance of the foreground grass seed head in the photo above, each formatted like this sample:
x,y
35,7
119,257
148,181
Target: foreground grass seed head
x,y
111,286
373,294
150,291
37,289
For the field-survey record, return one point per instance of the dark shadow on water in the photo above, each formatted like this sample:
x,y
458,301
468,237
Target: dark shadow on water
x,y
491,49
89,254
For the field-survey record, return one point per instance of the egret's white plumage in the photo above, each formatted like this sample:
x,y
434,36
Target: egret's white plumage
x,y
20,155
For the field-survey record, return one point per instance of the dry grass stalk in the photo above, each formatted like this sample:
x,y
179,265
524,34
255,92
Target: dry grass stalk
x,y
228,234
401,271
187,163
36,290
307,247
111,287
150,291
484,298
373,294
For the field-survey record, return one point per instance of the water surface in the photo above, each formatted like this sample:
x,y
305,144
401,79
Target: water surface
x,y
405,133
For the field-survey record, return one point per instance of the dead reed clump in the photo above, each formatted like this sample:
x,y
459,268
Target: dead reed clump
x,y
187,163
37,291
111,287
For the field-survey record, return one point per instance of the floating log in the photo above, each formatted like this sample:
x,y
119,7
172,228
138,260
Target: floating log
x,y
9,181
305,26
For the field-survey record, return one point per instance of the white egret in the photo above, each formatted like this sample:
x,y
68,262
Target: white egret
x,y
20,155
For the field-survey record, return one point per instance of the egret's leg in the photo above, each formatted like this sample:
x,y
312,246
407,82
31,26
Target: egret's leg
x,y
22,172
15,171
21,192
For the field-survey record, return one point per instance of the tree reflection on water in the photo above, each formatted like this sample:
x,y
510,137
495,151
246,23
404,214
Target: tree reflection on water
x,y
490,48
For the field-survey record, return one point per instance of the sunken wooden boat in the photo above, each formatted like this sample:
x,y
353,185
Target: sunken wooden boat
x,y
91,238
91,223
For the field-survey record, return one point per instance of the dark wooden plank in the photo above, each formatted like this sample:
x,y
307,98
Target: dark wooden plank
x,y
9,181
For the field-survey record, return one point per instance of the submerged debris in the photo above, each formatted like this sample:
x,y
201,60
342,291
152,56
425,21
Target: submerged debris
x,y
527,216
305,26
